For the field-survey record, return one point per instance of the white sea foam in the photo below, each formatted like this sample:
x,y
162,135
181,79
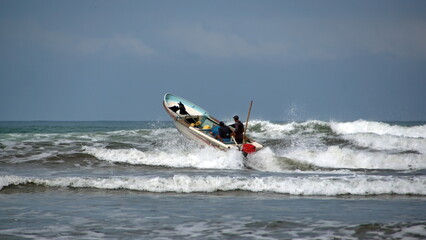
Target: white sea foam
x,y
278,130
264,160
411,232
362,126
337,157
387,142
271,130
267,129
312,185
207,158
33,232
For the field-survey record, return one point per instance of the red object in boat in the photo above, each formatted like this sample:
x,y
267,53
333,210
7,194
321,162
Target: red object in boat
x,y
249,148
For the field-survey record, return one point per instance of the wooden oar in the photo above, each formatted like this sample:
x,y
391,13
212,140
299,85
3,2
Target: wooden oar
x,y
233,139
248,116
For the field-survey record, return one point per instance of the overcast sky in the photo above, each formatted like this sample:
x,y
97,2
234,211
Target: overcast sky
x,y
297,60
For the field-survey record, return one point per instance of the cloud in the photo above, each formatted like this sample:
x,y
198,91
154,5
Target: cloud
x,y
402,38
116,44
344,38
32,34
198,40
283,38
301,39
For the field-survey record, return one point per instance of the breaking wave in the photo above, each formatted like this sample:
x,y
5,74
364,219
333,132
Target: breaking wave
x,y
313,185
388,142
337,157
362,126
351,145
277,129
359,144
207,158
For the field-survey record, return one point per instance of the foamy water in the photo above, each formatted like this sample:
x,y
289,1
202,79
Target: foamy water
x,y
338,157
311,185
313,180
362,126
194,158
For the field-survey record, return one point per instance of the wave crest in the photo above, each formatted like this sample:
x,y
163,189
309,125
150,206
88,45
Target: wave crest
x,y
337,157
362,126
207,158
313,185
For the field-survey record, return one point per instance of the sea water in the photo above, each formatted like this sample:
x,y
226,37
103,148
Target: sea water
x,y
144,180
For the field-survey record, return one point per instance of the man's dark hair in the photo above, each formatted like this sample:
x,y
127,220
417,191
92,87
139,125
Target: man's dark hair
x,y
236,117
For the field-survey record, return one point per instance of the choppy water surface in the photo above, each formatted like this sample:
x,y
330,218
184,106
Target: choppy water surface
x,y
314,180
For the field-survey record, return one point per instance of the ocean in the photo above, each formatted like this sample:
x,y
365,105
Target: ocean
x,y
144,180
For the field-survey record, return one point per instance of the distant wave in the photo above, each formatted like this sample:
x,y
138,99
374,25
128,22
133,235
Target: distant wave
x,y
314,185
271,129
362,126
388,142
338,157
267,129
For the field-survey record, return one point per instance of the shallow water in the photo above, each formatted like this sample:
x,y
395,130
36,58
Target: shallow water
x,y
315,180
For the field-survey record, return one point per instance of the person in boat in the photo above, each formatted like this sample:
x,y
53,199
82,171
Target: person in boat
x,y
182,109
224,132
238,129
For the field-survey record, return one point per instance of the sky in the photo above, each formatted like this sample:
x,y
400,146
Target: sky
x,y
297,60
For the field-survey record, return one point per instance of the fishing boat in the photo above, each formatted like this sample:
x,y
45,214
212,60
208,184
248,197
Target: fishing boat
x,y
197,124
